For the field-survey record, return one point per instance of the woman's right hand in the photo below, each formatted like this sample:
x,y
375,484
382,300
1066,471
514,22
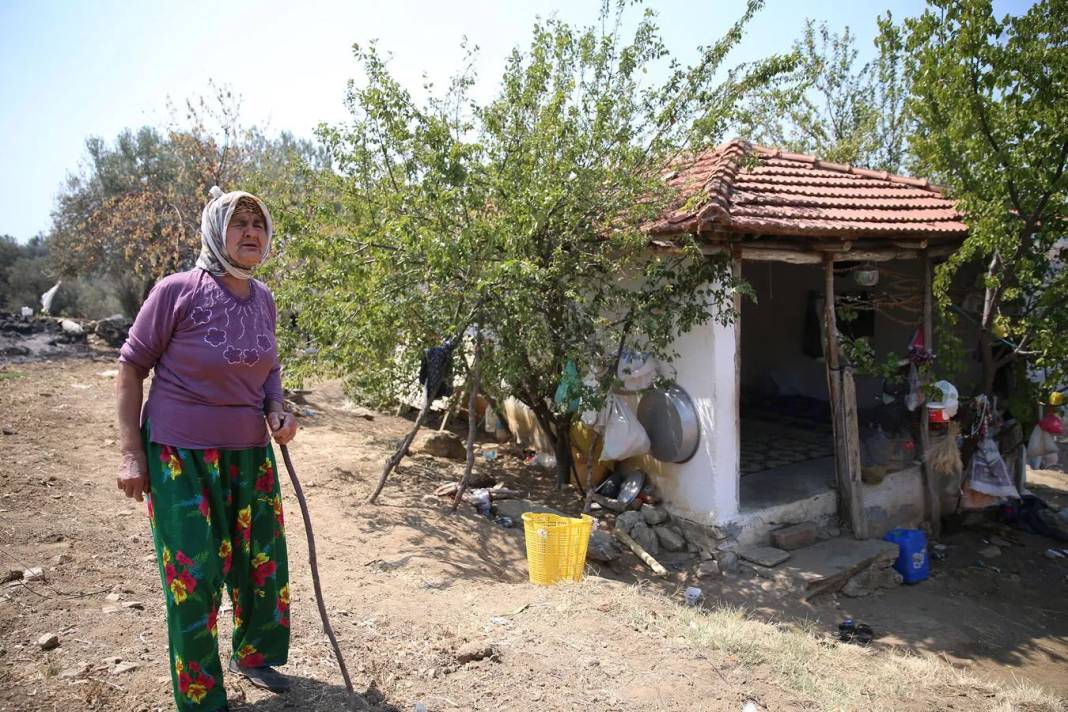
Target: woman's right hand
x,y
133,474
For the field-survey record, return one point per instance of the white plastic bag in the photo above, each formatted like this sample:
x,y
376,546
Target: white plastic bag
x,y
592,418
1041,444
636,370
492,422
624,436
950,400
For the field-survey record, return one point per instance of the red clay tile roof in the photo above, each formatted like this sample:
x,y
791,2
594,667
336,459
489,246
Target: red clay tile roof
x,y
742,188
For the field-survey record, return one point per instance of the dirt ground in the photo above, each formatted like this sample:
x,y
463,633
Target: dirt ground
x,y
408,584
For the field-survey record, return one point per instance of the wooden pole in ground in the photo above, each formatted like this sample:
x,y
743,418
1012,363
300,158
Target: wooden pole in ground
x,y
472,418
843,414
589,471
932,500
397,456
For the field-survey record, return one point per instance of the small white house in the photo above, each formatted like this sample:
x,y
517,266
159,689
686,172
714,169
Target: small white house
x,y
782,414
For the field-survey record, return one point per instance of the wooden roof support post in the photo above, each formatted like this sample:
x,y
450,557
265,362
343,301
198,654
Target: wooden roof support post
x,y
843,416
932,500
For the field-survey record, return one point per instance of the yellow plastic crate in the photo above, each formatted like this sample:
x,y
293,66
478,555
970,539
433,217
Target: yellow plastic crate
x,y
556,547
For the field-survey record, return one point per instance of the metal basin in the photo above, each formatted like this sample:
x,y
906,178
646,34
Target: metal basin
x,y
670,419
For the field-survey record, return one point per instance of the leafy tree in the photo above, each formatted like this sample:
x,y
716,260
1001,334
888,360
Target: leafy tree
x,y
133,214
832,106
524,215
988,96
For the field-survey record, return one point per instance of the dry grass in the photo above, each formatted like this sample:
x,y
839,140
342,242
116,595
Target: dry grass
x,y
820,672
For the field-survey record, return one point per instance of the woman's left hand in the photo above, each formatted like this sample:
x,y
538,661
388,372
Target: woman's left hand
x,y
283,426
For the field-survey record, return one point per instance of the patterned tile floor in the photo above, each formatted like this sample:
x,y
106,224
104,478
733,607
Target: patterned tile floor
x,y
769,442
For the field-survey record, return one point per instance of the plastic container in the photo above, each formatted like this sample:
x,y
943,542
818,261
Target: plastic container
x,y
556,547
912,562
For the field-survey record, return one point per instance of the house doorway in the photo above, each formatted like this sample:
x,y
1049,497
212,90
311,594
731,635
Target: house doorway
x,y
787,441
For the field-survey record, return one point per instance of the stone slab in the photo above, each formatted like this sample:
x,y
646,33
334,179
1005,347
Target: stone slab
x,y
766,556
827,566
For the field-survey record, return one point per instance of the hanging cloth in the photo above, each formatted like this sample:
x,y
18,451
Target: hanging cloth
x,y
435,369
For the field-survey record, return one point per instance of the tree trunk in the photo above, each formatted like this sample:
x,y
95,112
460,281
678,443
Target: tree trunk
x,y
472,420
563,451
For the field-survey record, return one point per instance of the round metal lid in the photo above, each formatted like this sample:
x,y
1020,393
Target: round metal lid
x,y
632,485
670,419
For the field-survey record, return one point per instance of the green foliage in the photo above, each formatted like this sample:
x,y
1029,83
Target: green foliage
x,y
833,107
988,96
132,216
524,214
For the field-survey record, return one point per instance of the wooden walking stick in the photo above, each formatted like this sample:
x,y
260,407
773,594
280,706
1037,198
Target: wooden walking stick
x,y
312,560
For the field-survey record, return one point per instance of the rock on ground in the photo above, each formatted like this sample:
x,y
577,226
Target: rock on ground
x,y
48,641
653,515
627,520
728,561
447,445
646,538
470,652
767,556
670,540
708,569
602,547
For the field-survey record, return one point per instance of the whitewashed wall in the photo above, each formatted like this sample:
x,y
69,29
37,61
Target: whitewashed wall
x,y
705,489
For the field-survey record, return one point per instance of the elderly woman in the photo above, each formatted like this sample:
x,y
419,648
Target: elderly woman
x,y
200,453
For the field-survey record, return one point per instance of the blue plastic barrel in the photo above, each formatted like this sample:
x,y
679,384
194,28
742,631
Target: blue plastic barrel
x,y
912,562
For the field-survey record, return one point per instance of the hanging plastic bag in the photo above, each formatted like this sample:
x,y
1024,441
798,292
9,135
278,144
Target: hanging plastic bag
x,y
592,418
636,370
1051,424
492,422
988,473
949,403
568,393
914,398
624,436
1040,444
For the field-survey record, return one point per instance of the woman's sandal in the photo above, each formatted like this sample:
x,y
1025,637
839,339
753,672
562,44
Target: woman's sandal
x,y
266,678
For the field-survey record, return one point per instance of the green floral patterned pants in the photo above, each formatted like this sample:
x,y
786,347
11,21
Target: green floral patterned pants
x,y
216,518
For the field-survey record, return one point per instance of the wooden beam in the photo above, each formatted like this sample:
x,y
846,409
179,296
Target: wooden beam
x,y
843,416
876,256
795,257
917,245
932,500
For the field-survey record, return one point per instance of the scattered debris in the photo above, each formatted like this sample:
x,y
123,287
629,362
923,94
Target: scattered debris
x,y
12,575
990,552
113,597
76,671
135,605
124,667
849,631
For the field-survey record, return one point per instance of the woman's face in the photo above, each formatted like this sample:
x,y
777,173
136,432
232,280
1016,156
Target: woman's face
x,y
246,237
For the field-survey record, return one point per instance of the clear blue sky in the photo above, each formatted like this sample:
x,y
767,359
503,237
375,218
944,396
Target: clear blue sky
x,y
74,69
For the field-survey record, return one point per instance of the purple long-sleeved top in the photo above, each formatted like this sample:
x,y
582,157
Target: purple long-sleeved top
x,y
215,361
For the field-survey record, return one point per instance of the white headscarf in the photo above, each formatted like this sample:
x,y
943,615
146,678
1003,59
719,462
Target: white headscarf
x,y
213,223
